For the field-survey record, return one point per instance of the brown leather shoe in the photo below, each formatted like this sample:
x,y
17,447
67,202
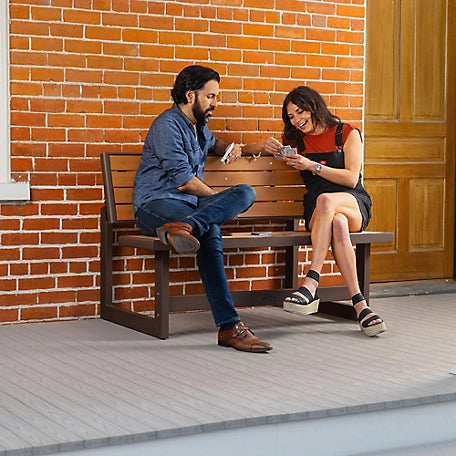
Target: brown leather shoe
x,y
242,338
178,236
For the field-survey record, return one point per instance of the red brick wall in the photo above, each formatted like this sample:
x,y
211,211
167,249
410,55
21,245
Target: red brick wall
x,y
88,76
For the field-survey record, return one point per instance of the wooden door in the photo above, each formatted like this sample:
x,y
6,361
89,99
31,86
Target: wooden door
x,y
409,135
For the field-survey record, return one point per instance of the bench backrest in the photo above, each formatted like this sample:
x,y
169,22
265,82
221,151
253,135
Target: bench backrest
x,y
279,187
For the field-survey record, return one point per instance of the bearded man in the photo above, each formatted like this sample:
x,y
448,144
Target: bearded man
x,y
172,201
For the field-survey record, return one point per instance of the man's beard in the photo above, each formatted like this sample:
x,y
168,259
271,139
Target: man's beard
x,y
202,117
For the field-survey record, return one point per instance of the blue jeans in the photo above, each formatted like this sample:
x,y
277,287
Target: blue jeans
x,y
205,219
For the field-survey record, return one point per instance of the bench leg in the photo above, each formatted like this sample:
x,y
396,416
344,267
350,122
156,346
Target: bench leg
x,y
162,293
291,259
106,246
157,326
363,268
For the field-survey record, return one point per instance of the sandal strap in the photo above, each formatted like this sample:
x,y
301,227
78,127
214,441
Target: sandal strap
x,y
365,324
304,291
313,275
366,312
357,298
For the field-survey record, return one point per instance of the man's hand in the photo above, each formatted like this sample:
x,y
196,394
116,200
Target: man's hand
x,y
235,153
197,187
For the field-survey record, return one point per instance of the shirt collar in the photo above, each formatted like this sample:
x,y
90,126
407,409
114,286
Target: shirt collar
x,y
177,110
199,128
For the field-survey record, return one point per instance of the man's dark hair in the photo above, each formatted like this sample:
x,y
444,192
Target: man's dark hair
x,y
192,78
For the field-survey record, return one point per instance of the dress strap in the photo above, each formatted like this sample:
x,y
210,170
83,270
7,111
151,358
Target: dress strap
x,y
339,142
300,143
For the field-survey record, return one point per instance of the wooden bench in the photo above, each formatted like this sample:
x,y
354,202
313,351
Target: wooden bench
x,y
279,198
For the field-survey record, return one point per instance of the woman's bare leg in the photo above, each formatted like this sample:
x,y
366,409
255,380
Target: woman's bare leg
x,y
335,216
321,226
346,261
321,234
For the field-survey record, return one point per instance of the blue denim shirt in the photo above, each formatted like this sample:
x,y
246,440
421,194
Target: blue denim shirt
x,y
171,157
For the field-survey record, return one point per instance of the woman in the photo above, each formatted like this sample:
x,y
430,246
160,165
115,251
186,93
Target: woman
x,y
329,159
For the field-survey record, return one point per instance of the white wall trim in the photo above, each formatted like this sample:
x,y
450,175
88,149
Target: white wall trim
x,y
9,190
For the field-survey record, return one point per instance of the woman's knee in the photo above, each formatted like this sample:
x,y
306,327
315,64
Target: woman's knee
x,y
340,227
324,203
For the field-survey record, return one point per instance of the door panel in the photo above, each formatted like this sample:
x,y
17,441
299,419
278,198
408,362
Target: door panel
x,y
429,196
405,149
384,217
409,136
427,59
382,56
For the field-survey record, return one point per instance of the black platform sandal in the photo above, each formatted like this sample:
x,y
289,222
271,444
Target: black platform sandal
x,y
295,303
368,330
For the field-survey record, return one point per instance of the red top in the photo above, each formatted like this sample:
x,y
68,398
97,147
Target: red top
x,y
325,142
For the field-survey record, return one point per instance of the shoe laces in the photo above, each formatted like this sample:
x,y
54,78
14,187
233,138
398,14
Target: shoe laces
x,y
241,329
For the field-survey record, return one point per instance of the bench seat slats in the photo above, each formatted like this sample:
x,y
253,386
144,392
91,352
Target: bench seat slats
x,y
241,240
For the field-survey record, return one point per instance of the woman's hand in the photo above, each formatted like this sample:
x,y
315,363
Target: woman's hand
x,y
298,162
347,176
272,146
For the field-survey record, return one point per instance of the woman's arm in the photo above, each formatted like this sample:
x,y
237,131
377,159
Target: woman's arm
x,y
353,152
270,146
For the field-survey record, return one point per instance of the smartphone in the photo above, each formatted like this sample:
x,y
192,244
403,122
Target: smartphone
x,y
227,153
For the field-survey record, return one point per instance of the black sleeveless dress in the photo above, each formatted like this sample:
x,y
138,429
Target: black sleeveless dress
x,y
316,185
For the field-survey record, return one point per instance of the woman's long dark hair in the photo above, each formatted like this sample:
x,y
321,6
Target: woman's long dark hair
x,y
308,100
